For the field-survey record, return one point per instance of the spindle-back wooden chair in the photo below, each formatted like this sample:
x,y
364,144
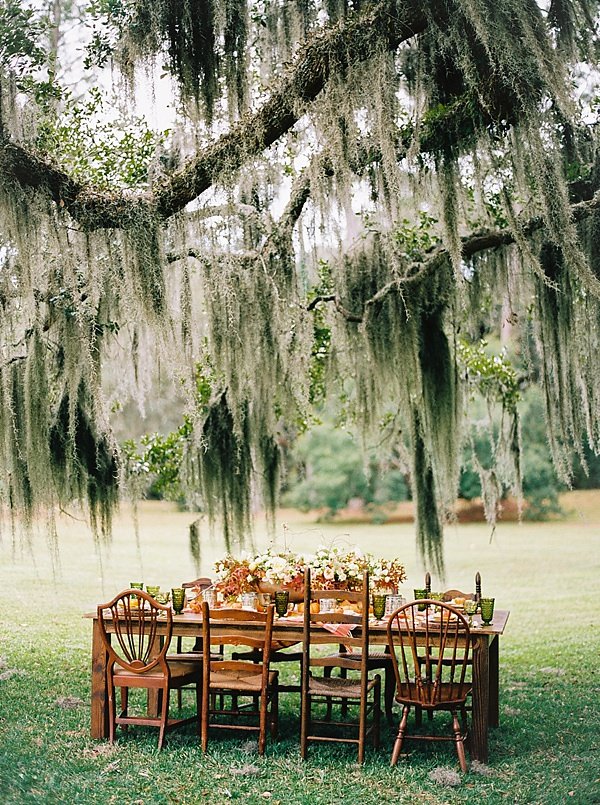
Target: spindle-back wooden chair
x,y
431,651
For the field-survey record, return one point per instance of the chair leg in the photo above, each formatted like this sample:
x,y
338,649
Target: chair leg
x,y
164,716
388,694
206,697
377,717
460,745
274,719
179,650
124,706
400,737
199,701
329,711
304,722
111,713
262,723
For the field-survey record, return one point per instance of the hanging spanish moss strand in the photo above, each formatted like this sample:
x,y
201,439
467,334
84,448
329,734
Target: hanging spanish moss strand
x,y
225,470
430,531
187,29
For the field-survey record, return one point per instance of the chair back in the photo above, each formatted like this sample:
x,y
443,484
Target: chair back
x,y
450,595
134,615
430,651
257,638
203,583
351,628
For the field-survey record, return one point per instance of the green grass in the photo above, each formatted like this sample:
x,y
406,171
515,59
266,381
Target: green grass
x,y
546,750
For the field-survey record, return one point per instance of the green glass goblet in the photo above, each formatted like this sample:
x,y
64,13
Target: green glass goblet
x,y
178,599
487,610
379,600
421,593
282,600
470,609
153,590
135,585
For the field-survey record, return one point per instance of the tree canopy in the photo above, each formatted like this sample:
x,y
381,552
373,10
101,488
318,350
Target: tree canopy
x,y
347,191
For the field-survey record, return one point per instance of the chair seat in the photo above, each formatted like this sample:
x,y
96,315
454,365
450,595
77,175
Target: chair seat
x,y
240,682
450,695
338,686
178,670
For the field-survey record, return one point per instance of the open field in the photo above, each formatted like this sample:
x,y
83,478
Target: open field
x,y
547,749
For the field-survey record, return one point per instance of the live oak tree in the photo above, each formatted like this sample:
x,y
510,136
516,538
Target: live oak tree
x,y
356,188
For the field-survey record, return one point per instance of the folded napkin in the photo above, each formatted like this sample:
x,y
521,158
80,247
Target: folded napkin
x,y
339,629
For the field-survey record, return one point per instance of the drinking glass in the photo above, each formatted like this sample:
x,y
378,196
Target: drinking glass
x,y
470,609
178,599
248,600
210,596
379,600
282,600
393,603
421,593
135,585
152,589
487,610
264,599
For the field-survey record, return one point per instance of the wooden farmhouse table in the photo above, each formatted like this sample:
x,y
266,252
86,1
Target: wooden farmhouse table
x,y
485,696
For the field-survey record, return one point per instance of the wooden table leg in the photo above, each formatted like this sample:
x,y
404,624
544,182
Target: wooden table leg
x,y
494,672
481,699
99,698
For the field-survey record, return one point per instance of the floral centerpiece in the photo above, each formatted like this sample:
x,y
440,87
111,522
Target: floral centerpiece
x,y
336,568
332,568
385,574
234,576
279,569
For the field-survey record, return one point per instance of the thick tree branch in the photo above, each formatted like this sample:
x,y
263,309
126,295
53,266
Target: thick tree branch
x,y
384,26
471,245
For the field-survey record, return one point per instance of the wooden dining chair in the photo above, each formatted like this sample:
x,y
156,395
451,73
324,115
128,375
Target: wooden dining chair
x,y
235,690
431,651
357,690
137,658
193,654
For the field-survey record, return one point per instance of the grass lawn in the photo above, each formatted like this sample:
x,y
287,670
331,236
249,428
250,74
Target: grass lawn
x,y
546,750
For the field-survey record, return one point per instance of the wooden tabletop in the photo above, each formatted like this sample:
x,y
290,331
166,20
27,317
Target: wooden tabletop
x,y
294,620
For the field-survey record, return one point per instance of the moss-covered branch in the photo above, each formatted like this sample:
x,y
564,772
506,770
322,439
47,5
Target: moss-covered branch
x,y
384,26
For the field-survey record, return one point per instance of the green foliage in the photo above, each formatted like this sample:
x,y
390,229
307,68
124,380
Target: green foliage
x,y
157,464
98,148
540,485
160,458
493,376
21,32
320,353
415,240
327,469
